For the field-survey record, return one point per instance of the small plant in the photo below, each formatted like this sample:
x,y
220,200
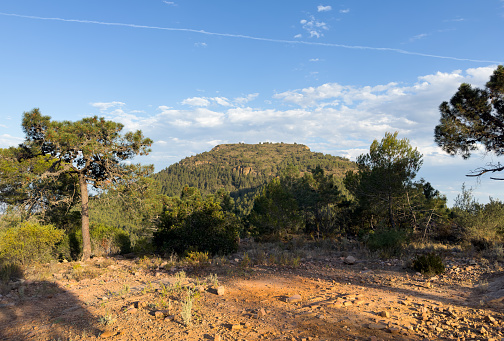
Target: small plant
x,y
246,261
212,279
107,319
389,243
125,289
197,258
186,311
429,264
148,288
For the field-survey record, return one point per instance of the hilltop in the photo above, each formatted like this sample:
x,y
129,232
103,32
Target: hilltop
x,y
242,169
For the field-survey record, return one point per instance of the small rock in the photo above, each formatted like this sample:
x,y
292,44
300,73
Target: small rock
x,y
220,290
108,333
350,260
292,299
384,314
377,326
235,326
217,337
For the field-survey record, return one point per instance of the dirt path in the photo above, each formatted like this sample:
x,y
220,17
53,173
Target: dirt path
x,y
321,299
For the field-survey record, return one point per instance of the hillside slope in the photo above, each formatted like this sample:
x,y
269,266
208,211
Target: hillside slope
x,y
242,169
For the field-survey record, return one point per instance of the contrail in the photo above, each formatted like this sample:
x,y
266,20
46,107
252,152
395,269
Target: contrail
x,y
229,35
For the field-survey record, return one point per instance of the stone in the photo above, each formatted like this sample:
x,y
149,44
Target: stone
x,y
217,337
384,314
377,326
350,260
220,290
107,334
294,298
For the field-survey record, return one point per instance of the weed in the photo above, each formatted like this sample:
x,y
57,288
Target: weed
x,y
148,288
186,311
246,261
107,319
212,279
429,264
197,258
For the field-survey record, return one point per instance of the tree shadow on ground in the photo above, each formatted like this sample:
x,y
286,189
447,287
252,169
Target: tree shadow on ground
x,y
43,310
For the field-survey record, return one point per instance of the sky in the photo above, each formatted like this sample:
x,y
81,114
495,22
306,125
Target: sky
x,y
192,74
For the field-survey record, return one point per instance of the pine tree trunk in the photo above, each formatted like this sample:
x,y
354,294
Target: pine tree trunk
x,y
86,239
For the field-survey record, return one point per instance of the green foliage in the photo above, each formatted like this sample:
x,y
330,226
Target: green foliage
x,y
10,271
67,156
293,203
474,117
28,242
482,225
243,169
429,264
383,178
193,224
388,243
275,213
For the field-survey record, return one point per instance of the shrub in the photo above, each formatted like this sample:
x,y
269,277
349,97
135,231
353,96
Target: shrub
x,y
29,242
388,243
105,240
197,226
9,272
429,264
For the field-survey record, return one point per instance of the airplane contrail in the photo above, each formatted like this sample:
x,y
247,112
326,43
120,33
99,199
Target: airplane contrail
x,y
229,35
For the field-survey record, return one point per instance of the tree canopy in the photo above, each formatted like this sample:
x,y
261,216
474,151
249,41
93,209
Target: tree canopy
x,y
384,173
91,151
474,117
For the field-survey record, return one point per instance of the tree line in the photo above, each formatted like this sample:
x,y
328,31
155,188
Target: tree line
x,y
48,211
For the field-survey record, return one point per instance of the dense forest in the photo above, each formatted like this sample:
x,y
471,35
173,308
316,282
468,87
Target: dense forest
x,y
243,169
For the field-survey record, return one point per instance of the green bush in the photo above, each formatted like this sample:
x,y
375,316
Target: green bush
x,y
29,242
429,264
389,243
107,240
195,225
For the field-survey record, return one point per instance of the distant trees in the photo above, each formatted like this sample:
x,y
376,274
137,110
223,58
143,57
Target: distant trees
x,y
67,156
474,117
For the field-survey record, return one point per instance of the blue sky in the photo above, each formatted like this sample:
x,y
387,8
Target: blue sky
x,y
333,75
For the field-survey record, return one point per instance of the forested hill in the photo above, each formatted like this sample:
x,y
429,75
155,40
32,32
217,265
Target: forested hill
x,y
242,169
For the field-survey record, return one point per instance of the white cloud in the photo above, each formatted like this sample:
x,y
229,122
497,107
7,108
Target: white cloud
x,y
7,140
314,27
298,36
196,102
314,60
200,44
321,8
344,11
245,99
103,106
418,36
171,3
331,118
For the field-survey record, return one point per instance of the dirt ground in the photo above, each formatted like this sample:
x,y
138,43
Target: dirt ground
x,y
321,298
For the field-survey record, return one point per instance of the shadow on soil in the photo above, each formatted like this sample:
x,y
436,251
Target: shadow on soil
x,y
48,312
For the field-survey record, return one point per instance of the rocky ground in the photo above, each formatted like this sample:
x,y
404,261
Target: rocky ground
x,y
324,296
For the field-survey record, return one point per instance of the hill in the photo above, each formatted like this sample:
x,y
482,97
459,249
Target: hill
x,y
242,169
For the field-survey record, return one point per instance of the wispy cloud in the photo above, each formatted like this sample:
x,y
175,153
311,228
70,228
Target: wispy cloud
x,y
418,36
344,11
321,8
200,44
103,106
356,47
171,3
